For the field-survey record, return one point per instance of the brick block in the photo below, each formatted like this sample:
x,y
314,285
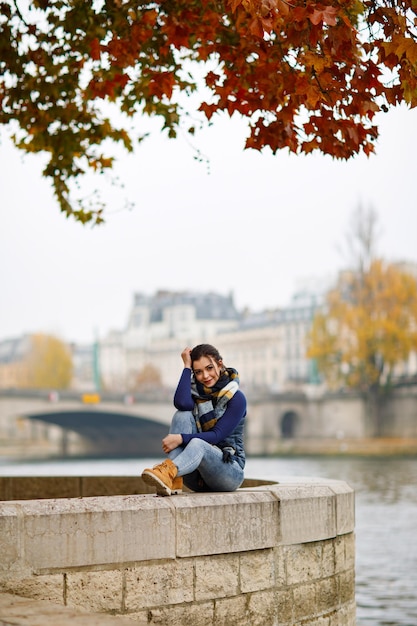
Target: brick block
x,y
303,563
232,522
158,584
230,611
346,585
307,511
216,577
305,601
285,605
327,594
262,608
95,591
257,570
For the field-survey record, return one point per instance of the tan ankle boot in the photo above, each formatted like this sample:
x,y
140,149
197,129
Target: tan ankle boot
x,y
161,477
177,485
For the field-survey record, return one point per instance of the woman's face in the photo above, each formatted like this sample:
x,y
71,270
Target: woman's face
x,y
207,370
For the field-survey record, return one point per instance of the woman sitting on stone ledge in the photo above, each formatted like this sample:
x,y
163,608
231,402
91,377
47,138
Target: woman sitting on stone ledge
x,y
205,442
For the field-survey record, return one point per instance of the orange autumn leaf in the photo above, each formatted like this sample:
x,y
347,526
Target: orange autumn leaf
x,y
327,15
95,49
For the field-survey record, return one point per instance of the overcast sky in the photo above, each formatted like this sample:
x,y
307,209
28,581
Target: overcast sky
x,y
254,224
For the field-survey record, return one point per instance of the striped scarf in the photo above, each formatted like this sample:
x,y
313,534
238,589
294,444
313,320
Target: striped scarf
x,y
211,402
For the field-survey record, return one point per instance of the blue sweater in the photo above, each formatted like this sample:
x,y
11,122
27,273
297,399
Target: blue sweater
x,y
235,412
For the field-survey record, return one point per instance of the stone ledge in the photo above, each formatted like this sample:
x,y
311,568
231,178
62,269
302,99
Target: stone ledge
x,y
266,554
327,504
232,522
54,535
50,536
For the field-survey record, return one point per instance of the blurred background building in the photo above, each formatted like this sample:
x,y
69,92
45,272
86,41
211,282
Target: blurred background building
x,y
268,347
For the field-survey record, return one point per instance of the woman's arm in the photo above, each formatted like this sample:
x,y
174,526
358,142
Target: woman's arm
x,y
183,400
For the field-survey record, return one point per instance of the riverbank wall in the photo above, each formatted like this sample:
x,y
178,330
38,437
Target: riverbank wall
x,y
36,424
275,554
306,447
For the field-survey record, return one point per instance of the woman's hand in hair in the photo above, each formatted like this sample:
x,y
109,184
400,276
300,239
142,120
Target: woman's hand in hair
x,y
186,357
170,442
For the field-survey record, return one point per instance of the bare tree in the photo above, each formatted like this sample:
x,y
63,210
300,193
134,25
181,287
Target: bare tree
x,y
362,238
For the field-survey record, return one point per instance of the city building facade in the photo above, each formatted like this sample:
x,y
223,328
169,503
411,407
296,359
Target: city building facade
x,y
158,329
268,348
12,356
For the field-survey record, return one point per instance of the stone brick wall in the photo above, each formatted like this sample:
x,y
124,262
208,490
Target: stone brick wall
x,y
267,555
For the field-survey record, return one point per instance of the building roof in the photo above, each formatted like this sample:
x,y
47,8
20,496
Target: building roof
x,y
13,350
207,305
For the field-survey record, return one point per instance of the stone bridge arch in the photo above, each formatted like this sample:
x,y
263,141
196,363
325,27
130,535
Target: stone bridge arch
x,y
289,424
39,424
273,419
104,433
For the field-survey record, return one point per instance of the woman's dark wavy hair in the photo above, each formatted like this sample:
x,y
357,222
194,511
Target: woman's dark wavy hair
x,y
205,349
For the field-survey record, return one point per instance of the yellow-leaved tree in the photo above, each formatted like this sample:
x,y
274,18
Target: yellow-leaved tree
x,y
48,364
367,328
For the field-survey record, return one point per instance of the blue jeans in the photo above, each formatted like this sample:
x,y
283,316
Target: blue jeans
x,y
201,463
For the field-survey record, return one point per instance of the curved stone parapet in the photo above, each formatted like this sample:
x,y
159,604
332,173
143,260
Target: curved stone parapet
x,y
267,554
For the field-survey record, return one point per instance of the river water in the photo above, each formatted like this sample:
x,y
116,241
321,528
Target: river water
x,y
386,519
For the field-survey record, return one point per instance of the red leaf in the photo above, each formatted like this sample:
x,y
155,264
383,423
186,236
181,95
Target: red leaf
x,y
326,15
207,109
95,49
256,27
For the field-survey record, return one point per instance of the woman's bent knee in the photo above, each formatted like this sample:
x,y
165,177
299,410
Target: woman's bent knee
x,y
183,422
